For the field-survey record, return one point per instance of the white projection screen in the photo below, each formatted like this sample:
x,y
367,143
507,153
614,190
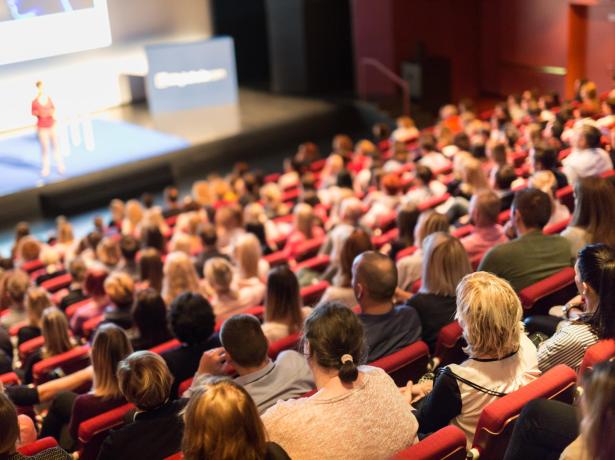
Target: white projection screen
x,y
33,29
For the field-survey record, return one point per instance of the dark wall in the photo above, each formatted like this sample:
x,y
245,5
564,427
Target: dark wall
x,y
245,21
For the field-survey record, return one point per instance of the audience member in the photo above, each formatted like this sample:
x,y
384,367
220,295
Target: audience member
x,y
486,233
444,265
545,181
209,240
357,404
502,358
245,349
150,269
119,287
77,270
37,299
532,256
94,288
129,247
149,318
587,157
155,428
388,328
179,276
221,421
192,322
17,284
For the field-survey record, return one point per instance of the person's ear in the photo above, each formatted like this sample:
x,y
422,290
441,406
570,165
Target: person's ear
x,y
359,290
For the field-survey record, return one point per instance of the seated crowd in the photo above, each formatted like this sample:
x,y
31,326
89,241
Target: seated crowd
x,y
251,318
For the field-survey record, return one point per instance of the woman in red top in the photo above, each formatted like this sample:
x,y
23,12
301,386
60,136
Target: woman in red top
x,y
43,109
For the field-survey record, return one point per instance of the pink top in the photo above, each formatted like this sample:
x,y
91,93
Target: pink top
x,y
482,239
44,113
372,421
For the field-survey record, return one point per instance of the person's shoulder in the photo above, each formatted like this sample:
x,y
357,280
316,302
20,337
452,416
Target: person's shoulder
x,y
405,311
290,358
282,409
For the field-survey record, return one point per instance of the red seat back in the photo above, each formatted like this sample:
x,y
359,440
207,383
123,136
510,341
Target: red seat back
x,y
405,253
69,362
312,294
277,258
30,346
92,432
288,343
498,418
317,263
385,238
449,345
566,196
32,266
409,363
38,446
433,202
308,249
447,443
557,227
462,231
601,351
258,311
90,326
71,309
57,283
556,289
10,378
177,456
166,346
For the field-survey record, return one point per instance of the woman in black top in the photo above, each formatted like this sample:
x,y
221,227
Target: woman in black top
x,y
149,316
445,263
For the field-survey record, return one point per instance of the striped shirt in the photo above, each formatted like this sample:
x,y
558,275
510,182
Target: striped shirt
x,y
567,346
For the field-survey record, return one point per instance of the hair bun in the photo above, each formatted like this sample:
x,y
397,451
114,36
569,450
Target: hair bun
x,y
348,372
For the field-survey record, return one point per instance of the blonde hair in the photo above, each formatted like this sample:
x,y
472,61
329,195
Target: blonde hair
x,y
473,176
598,408
133,212
64,230
37,299
219,275
17,284
247,254
49,256
429,222
111,345
144,380
271,194
179,276
445,263
119,287
545,181
254,213
489,312
108,252
304,219
405,122
222,423
201,193
54,328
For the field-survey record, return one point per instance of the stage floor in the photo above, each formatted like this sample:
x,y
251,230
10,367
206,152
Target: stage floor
x,y
128,134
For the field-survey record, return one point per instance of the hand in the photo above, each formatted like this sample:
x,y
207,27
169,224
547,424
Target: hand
x,y
413,392
212,362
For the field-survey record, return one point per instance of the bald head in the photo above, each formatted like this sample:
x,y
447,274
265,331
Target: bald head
x,y
375,275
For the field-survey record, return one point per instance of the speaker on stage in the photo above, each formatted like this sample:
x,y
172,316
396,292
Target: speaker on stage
x,y
310,48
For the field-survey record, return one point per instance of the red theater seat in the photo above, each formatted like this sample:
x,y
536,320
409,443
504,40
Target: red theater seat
x,y
566,196
405,253
601,351
308,249
311,294
69,362
448,443
449,346
556,289
557,227
92,432
32,266
177,456
317,263
498,418
277,258
10,378
385,238
462,231
288,343
57,283
30,346
433,202
90,326
166,346
71,309
37,446
409,363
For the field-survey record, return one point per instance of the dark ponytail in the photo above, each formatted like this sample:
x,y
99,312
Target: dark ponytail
x,y
336,339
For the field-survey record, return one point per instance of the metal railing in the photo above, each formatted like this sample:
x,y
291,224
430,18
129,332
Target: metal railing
x,y
367,62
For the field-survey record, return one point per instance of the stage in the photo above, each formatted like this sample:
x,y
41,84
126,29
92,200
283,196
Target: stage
x,y
123,151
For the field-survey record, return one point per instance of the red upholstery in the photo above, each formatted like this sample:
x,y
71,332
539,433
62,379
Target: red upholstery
x,y
177,456
317,263
272,177
566,196
14,329
416,286
30,346
59,282
69,362
291,195
462,231
166,346
448,443
288,343
497,419
409,363
184,386
433,202
288,219
405,253
91,325
387,221
308,249
92,432
318,165
601,351
475,261
10,378
553,290
312,294
32,266
71,309
449,345
277,258
38,446
385,238
564,153
259,312
504,217
557,227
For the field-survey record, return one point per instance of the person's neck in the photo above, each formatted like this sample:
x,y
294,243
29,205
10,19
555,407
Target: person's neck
x,y
328,380
372,307
249,370
522,231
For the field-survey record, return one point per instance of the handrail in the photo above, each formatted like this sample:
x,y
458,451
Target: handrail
x,y
391,76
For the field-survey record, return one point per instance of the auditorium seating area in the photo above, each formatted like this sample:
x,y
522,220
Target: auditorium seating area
x,y
229,243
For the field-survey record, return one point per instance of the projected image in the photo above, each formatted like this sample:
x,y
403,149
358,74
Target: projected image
x,y
11,10
44,28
